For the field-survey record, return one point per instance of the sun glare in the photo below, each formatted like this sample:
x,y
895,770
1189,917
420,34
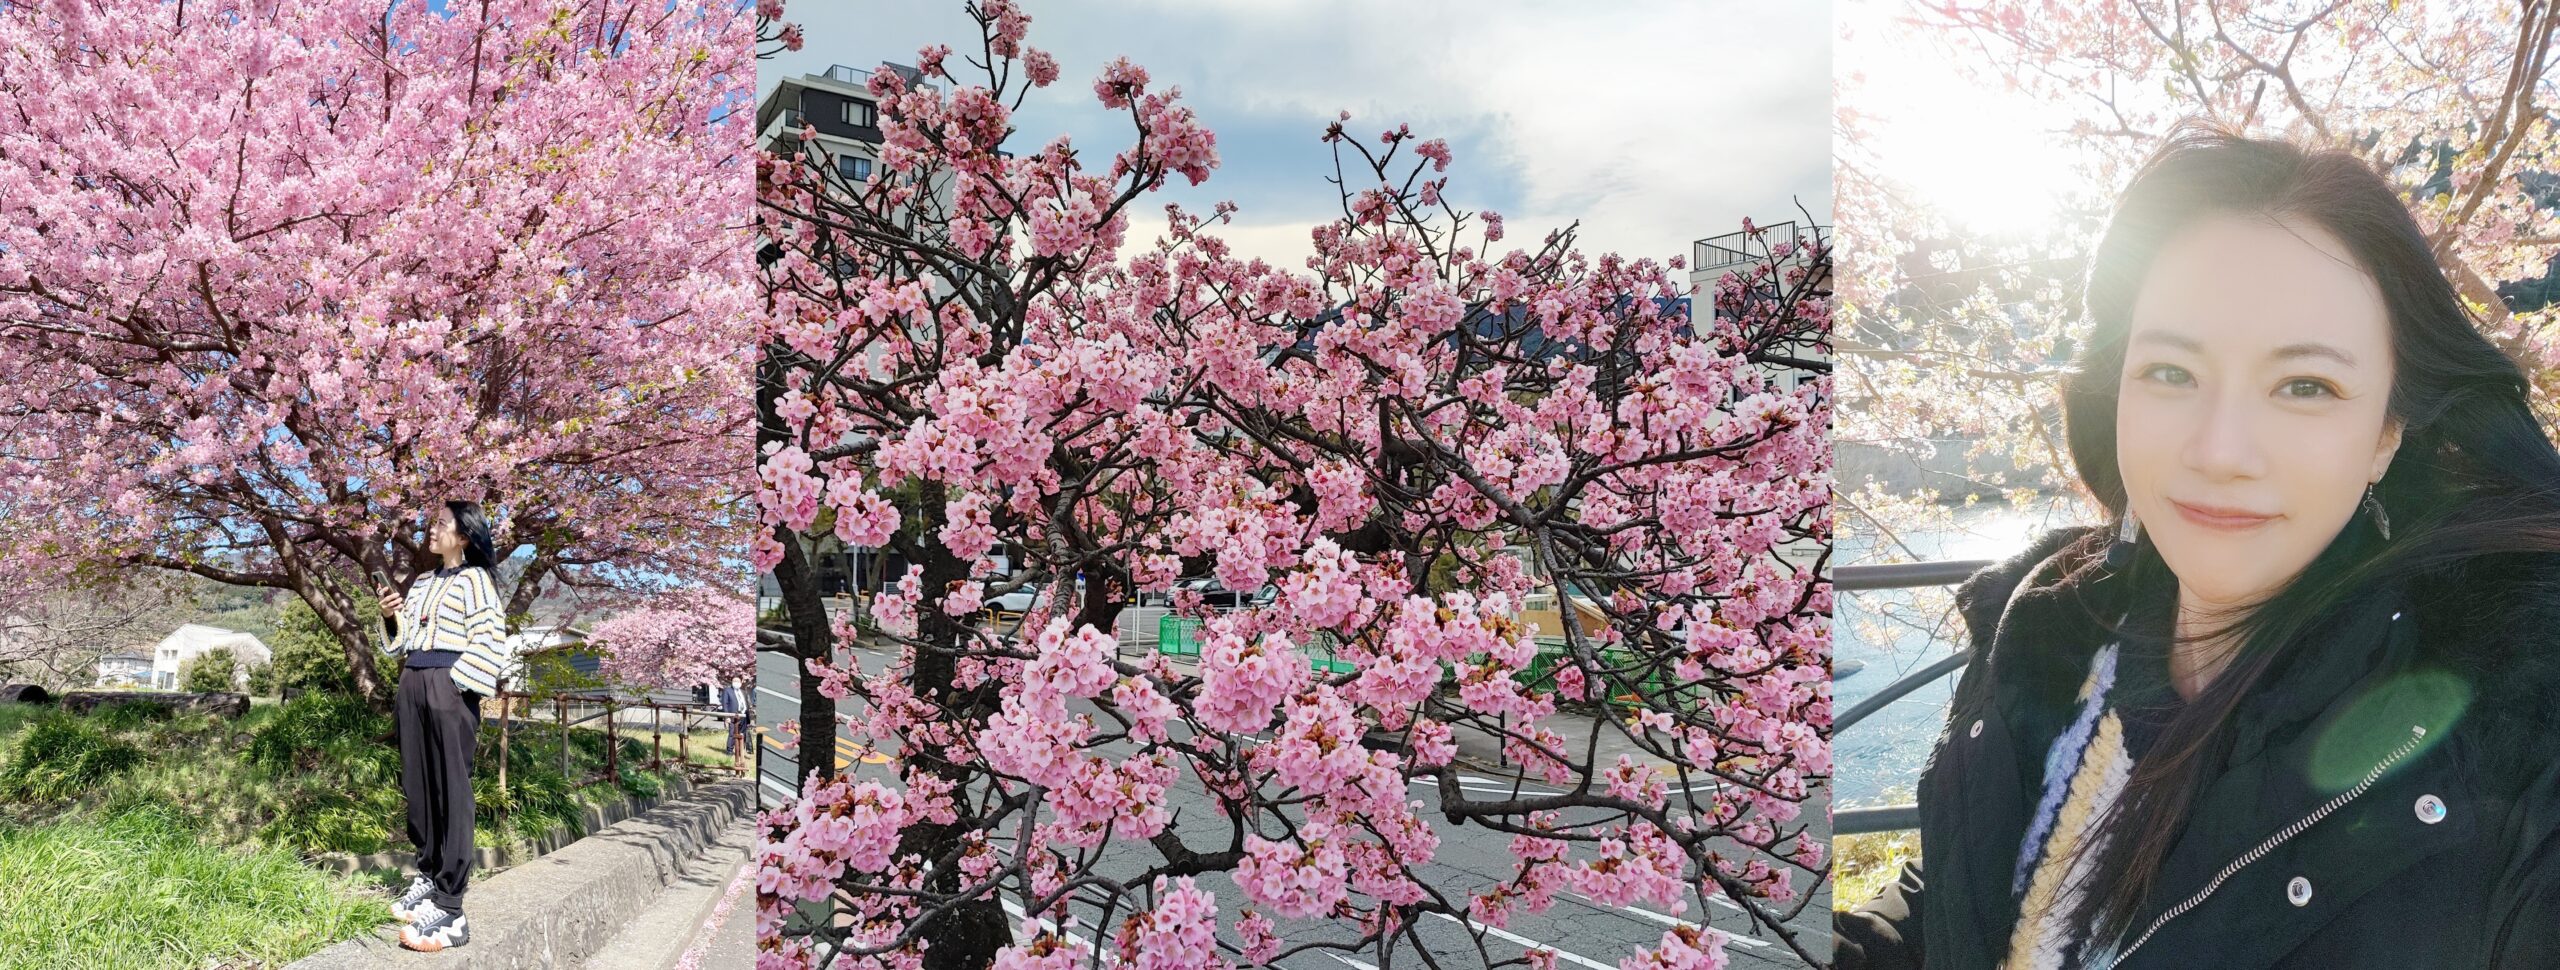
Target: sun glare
x,y
1989,160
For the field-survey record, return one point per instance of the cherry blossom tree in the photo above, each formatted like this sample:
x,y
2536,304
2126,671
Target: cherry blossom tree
x,y
278,279
698,635
1407,441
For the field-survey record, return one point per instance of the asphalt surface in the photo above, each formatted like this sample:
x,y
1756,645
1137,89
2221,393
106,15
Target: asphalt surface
x,y
1587,934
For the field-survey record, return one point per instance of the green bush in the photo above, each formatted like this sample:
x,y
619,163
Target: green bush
x,y
58,758
317,773
316,818
536,798
307,655
210,671
317,728
262,680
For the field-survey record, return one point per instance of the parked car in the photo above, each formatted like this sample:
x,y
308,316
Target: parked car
x,y
1020,599
1214,593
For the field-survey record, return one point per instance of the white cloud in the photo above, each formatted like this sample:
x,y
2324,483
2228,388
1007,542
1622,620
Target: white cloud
x,y
1654,122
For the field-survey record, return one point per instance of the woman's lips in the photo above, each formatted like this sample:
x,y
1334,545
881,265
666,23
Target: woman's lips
x,y
2221,518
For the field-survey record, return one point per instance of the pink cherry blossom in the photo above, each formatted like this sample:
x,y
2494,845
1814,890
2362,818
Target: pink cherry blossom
x,y
679,640
1298,879
1242,682
1180,933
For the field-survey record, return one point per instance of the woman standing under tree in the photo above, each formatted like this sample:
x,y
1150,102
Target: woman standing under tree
x,y
447,636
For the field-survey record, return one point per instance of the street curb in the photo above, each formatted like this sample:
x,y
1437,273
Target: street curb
x,y
555,911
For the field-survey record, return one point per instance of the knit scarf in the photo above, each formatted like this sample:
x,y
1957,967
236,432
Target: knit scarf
x,y
2084,773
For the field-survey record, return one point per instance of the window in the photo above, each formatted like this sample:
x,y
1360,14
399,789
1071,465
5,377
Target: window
x,y
861,114
853,169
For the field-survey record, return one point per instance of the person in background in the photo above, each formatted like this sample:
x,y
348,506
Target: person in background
x,y
733,701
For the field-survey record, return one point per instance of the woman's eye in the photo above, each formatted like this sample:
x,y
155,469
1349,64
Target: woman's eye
x,y
2170,374
2304,387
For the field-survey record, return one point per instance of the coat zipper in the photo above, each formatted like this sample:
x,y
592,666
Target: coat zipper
x,y
2416,734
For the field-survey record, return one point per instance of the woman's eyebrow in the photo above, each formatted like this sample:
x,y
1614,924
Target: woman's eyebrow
x,y
2307,348
2178,340
2313,348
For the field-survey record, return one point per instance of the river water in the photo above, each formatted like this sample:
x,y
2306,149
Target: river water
x,y
1895,631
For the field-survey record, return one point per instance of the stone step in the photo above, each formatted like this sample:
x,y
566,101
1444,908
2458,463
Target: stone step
x,y
681,920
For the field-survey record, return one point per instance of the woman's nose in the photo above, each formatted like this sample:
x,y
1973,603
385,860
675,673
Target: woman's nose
x,y
2224,443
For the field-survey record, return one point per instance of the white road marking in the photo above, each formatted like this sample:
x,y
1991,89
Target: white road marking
x,y
1463,786
1670,920
782,789
1349,962
1561,954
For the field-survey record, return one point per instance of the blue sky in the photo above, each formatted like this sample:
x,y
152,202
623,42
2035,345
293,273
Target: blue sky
x,y
1654,122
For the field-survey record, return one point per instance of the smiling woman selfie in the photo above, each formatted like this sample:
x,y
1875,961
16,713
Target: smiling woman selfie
x,y
2293,704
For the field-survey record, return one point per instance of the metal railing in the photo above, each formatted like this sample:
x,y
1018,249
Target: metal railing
x,y
571,709
1733,248
1895,818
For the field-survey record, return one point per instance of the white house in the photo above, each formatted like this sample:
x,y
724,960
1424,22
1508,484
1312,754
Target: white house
x,y
532,640
124,670
192,640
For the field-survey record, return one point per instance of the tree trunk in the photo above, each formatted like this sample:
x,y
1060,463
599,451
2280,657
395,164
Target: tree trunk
x,y
339,614
965,937
812,638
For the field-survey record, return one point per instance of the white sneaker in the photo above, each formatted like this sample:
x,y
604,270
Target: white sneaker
x,y
435,929
405,908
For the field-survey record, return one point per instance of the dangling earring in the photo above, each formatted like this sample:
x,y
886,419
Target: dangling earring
x,y
2381,520
2128,532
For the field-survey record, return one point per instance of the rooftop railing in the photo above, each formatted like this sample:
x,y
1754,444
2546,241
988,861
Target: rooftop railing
x,y
1734,248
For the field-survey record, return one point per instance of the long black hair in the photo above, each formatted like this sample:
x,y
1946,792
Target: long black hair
x,y
478,548
2475,475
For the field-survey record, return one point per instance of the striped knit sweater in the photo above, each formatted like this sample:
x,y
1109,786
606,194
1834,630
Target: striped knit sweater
x,y
455,610
2084,774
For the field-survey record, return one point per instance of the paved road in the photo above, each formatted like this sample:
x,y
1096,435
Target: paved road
x,y
1588,935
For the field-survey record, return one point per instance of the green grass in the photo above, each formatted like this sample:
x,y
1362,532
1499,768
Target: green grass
x,y
131,837
318,774
58,758
16,716
139,887
1862,865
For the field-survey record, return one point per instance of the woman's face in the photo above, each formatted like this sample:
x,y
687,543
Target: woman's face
x,y
443,535
2252,412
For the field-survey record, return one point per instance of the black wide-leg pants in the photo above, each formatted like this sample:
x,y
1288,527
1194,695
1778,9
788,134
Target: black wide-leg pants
x,y
439,724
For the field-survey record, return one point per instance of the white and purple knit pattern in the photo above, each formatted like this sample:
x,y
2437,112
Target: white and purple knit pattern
x,y
2061,760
